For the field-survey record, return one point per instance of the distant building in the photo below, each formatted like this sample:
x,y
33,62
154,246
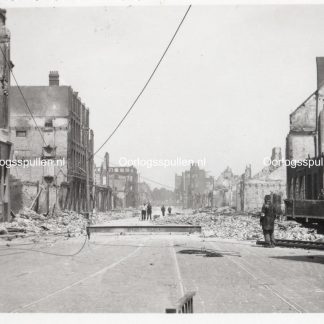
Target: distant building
x,y
224,193
250,191
178,189
194,189
103,198
63,121
5,144
124,183
144,193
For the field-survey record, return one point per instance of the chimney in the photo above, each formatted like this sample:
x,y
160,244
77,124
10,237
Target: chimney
x,y
2,17
54,78
320,71
276,154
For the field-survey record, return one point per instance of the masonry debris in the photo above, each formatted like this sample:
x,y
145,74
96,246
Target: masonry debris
x,y
101,218
240,227
68,224
64,223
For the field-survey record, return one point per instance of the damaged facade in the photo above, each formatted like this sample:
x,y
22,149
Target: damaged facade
x,y
305,141
67,140
124,184
103,198
250,191
224,193
5,144
144,193
194,189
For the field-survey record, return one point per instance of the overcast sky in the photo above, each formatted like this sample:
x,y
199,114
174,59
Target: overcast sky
x,y
224,91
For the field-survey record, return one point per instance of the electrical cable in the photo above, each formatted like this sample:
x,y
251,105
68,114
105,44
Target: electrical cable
x,y
50,253
146,84
24,99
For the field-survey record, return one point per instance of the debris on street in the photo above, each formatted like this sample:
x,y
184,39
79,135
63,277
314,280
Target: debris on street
x,y
240,227
65,223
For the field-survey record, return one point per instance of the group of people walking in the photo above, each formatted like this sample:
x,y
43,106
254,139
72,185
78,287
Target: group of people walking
x,y
163,210
146,213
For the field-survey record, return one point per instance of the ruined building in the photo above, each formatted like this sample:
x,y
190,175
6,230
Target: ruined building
x,y
181,188
305,141
124,183
224,193
5,145
63,120
250,190
144,193
103,198
194,189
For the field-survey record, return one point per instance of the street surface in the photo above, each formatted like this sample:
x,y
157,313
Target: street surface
x,y
149,272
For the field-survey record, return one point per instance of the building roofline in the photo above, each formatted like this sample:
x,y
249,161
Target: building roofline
x,y
305,101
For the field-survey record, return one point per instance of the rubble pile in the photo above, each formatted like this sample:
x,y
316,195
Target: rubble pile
x,y
67,223
226,210
241,227
291,230
222,226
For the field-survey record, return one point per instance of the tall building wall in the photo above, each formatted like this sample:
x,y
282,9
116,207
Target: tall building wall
x,y
124,183
301,140
63,121
5,144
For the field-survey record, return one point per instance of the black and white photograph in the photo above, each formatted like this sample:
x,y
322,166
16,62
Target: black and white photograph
x,y
161,159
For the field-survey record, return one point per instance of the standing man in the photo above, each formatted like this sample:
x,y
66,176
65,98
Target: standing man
x,y
267,219
163,210
149,211
321,195
143,211
169,210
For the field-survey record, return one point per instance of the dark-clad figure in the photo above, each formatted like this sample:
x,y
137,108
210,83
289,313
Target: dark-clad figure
x,y
169,210
163,210
267,219
149,211
143,212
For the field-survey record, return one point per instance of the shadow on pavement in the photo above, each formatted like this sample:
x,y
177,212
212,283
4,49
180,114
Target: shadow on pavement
x,y
205,253
304,258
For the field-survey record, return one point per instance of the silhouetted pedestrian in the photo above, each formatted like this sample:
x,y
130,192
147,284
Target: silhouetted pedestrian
x,y
163,210
149,211
267,219
143,212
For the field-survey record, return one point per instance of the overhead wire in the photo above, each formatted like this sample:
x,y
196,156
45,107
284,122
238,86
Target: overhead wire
x,y
50,253
145,85
113,132
22,95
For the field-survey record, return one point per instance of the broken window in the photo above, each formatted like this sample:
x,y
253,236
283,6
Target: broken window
x,y
48,152
21,133
49,123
